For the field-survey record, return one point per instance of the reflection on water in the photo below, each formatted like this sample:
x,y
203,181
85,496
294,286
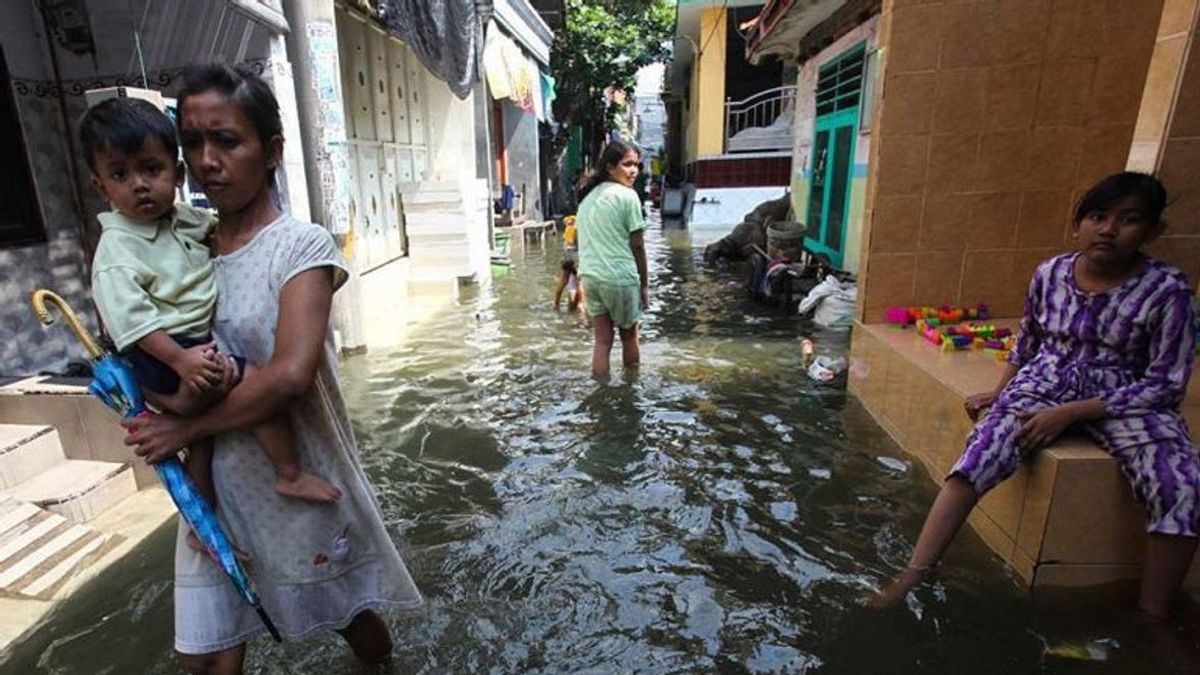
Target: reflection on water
x,y
716,512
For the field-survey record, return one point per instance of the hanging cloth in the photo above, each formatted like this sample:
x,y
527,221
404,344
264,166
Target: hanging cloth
x,y
446,36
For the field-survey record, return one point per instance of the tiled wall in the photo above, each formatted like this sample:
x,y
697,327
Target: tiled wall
x,y
25,346
994,116
1167,137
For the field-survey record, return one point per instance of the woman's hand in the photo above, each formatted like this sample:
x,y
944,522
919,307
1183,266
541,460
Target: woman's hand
x,y
977,403
1041,427
157,437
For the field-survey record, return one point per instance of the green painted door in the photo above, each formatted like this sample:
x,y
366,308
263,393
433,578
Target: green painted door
x,y
839,90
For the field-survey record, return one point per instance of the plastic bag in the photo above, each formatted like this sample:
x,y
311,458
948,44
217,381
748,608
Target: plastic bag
x,y
833,301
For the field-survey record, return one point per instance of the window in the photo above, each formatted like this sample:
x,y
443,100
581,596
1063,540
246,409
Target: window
x,y
840,83
20,214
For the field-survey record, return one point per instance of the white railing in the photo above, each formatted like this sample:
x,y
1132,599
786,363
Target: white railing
x,y
761,122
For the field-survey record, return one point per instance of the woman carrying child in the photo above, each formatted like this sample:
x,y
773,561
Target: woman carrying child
x,y
317,567
1106,344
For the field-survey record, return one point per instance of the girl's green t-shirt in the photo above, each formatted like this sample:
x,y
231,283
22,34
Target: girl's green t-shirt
x,y
606,218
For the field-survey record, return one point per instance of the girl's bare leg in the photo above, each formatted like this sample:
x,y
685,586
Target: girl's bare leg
x,y
1167,561
946,517
227,662
602,343
631,349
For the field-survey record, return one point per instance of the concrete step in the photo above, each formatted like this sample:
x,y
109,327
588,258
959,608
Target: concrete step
x,y
77,489
43,550
27,450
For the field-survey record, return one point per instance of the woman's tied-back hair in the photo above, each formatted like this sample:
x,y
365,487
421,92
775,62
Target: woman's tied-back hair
x,y
125,124
611,156
244,87
1120,186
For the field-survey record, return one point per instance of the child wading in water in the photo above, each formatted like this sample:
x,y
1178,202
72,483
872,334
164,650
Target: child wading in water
x,y
568,280
152,278
1106,343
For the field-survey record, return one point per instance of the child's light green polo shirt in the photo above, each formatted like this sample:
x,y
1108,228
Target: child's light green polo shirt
x,y
149,276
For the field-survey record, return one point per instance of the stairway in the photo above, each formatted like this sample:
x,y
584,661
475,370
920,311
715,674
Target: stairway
x,y
447,229
45,501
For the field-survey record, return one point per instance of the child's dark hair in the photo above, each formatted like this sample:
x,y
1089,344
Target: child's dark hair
x,y
611,156
1120,186
241,85
124,124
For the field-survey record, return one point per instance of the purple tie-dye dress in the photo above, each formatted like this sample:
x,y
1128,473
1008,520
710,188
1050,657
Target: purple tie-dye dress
x,y
1131,346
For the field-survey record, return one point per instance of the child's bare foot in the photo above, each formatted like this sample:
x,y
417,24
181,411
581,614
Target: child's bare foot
x,y
193,542
307,486
898,588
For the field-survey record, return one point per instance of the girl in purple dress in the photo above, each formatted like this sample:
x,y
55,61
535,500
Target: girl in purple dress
x,y
1107,343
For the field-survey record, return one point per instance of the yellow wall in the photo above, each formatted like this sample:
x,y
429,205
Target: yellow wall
x,y
706,133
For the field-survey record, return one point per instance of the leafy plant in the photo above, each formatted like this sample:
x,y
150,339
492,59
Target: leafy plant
x,y
604,44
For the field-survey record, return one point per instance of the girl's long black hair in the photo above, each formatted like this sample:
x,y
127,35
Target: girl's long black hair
x,y
611,156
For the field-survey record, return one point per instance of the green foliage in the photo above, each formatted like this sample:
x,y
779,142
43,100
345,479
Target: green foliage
x,y
605,43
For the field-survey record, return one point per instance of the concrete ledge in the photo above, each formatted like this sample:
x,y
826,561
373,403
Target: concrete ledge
x,y
1066,518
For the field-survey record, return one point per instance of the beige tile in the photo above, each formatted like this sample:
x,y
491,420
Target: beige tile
x,y
1130,28
991,534
1158,94
1039,492
889,282
1003,156
1026,262
993,219
939,276
987,279
1075,29
1182,252
1024,566
1011,97
1044,217
914,37
897,397
966,33
107,440
908,103
1105,152
896,224
958,106
1143,156
1054,157
1177,17
1180,172
954,161
1005,502
1093,518
902,164
1019,31
1185,121
1120,83
1065,94
944,223
1054,575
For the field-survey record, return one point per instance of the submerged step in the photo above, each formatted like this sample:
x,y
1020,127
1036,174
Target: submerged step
x,y
27,450
78,489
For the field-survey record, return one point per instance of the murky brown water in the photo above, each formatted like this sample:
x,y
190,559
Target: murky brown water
x,y
717,512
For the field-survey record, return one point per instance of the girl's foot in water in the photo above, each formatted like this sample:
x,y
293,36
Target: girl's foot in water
x,y
898,588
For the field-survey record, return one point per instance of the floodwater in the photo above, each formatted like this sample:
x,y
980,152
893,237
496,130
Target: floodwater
x,y
717,512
